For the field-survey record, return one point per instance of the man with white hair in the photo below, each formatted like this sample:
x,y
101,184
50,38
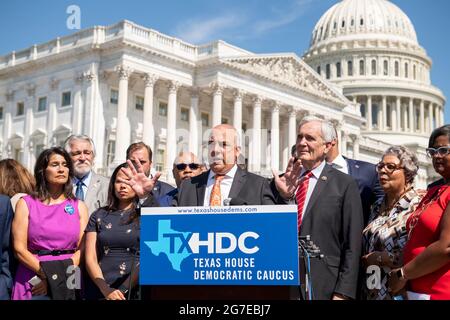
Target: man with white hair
x,y
88,186
329,211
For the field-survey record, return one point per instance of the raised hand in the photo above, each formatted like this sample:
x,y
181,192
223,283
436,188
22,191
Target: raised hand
x,y
288,183
137,180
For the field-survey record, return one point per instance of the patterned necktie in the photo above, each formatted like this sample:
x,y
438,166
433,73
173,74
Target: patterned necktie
x,y
300,195
216,197
79,192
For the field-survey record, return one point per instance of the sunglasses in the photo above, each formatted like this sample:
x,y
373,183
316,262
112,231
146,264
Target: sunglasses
x,y
388,167
192,166
442,151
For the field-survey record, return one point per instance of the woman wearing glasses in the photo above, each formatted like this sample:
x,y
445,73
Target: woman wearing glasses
x,y
426,269
385,235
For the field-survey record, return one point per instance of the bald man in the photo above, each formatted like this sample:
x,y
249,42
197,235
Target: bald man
x,y
225,179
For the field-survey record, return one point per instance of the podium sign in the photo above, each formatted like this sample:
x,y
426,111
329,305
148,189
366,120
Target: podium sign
x,y
251,245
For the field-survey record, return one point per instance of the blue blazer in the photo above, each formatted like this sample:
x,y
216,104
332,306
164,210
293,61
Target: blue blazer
x,y
6,215
369,186
163,193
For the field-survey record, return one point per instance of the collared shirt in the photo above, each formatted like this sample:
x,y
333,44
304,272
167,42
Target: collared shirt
x,y
86,180
340,164
225,185
312,184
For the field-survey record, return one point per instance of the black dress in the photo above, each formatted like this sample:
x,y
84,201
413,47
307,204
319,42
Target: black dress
x,y
117,248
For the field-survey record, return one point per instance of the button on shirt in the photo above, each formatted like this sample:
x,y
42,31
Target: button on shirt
x,y
340,164
312,184
225,185
86,180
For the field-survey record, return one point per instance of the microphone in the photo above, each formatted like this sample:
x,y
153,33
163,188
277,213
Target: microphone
x,y
234,202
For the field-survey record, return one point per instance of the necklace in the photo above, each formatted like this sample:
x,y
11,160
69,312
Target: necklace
x,y
386,209
423,206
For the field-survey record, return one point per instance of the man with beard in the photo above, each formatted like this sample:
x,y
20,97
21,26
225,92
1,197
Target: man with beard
x,y
88,186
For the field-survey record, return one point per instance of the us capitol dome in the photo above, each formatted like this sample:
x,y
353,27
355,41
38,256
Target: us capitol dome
x,y
370,49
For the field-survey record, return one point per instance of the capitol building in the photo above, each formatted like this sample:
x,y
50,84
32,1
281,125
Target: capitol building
x,y
364,70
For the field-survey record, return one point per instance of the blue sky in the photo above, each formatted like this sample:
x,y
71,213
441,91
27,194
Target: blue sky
x,y
261,26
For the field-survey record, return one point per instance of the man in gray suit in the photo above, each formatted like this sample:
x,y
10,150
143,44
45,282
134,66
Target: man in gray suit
x,y
88,186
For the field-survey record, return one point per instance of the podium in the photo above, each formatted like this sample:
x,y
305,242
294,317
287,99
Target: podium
x,y
219,253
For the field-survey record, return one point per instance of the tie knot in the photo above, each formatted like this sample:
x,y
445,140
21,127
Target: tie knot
x,y
80,183
218,178
307,175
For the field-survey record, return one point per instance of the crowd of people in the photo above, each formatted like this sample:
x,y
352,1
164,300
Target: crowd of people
x,y
69,233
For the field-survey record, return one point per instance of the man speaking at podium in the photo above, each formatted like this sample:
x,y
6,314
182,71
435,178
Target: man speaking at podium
x,y
225,179
329,211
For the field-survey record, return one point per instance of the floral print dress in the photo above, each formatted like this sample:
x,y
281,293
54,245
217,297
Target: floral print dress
x,y
386,231
117,247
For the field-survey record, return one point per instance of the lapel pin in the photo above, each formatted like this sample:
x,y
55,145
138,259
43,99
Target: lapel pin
x,y
356,166
324,178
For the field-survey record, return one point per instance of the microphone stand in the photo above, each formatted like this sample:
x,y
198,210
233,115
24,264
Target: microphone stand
x,y
308,250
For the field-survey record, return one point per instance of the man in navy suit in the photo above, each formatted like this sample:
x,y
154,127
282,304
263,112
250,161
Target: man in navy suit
x,y
363,172
140,153
6,215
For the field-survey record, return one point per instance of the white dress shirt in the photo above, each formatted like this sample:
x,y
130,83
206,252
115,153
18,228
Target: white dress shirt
x,y
312,184
225,185
340,164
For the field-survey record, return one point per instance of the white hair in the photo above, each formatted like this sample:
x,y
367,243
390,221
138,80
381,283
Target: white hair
x,y
75,137
328,130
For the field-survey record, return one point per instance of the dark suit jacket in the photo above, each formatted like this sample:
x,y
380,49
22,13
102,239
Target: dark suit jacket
x,y
249,188
334,220
369,186
162,195
6,215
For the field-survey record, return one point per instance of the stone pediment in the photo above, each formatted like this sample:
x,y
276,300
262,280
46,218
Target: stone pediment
x,y
288,70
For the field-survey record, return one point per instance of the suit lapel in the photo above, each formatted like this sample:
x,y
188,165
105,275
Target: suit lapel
x,y
238,182
201,187
92,188
320,186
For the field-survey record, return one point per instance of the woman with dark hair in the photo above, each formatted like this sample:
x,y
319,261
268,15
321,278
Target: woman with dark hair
x,y
48,225
426,255
15,180
112,243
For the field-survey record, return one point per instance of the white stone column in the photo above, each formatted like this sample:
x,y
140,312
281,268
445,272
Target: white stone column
x,y
7,122
286,152
369,113
383,119
405,118
430,117
237,112
52,111
437,121
411,115
77,112
194,145
275,137
422,116
356,147
171,143
292,131
217,104
256,159
29,106
148,134
442,116
343,142
123,123
393,117
398,106
90,90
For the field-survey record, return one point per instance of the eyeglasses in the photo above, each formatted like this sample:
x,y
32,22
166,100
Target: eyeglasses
x,y
388,167
192,166
442,151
